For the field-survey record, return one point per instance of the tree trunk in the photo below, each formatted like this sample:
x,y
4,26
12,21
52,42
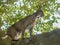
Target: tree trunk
x,y
48,38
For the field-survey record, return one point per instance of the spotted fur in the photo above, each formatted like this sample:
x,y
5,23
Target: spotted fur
x,y
19,27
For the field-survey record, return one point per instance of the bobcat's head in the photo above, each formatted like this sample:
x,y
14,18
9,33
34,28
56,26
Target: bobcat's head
x,y
40,13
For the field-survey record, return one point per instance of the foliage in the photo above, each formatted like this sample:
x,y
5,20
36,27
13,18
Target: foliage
x,y
12,11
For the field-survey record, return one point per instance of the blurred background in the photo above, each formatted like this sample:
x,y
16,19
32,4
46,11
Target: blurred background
x,y
12,11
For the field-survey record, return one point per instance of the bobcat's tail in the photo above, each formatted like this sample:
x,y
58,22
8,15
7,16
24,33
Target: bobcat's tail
x,y
5,36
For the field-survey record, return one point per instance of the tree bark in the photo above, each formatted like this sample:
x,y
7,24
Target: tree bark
x,y
48,38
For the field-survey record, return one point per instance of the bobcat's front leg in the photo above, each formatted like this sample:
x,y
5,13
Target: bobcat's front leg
x,y
23,32
30,30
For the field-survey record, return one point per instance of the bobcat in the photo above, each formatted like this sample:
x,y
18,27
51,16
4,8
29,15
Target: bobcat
x,y
19,27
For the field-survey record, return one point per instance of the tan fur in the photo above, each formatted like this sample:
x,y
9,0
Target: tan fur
x,y
19,27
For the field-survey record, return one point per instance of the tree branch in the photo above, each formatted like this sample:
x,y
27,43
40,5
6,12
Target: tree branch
x,y
48,38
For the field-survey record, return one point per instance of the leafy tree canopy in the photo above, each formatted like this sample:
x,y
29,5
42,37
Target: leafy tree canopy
x,y
13,10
